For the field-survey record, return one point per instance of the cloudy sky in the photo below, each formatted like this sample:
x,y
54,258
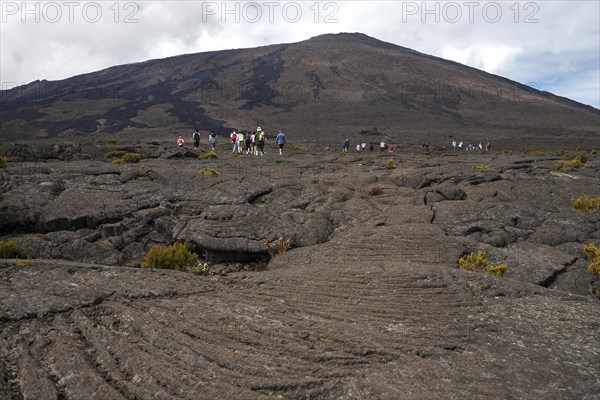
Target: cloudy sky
x,y
550,45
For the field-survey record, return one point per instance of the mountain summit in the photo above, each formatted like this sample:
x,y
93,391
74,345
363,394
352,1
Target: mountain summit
x,y
334,84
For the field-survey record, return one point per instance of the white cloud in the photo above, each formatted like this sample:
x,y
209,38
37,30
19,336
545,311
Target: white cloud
x,y
545,42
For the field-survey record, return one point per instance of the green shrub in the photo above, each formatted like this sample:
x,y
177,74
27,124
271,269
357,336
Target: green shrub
x,y
176,256
8,249
23,263
585,203
132,158
209,172
390,164
111,141
477,262
201,269
536,153
207,156
592,251
595,151
114,154
3,162
118,161
481,167
498,270
578,162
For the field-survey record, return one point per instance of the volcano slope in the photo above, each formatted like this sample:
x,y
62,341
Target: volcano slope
x,y
369,302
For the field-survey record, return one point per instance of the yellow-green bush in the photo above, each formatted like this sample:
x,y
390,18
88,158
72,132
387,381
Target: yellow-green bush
x,y
3,162
176,256
28,262
536,153
478,262
114,154
481,167
207,156
594,253
581,161
8,249
132,157
498,270
390,163
473,262
585,203
209,172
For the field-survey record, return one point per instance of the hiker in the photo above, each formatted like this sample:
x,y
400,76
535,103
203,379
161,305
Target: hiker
x,y
454,145
180,142
260,139
280,140
488,145
241,139
460,146
363,147
248,139
382,146
212,140
346,145
253,143
196,138
371,148
358,147
233,138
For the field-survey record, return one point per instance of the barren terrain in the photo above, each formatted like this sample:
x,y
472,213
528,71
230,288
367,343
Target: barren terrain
x,y
368,303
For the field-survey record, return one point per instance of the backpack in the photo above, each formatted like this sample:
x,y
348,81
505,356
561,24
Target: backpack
x,y
261,137
233,137
196,136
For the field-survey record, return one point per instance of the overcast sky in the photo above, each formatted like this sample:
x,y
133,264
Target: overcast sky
x,y
550,45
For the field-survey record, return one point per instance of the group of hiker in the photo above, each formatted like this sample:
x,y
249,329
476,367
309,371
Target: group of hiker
x,y
250,142
362,147
254,143
460,146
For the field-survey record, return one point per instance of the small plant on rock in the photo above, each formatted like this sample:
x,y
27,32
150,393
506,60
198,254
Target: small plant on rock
x,y
478,262
475,262
201,269
208,156
132,157
585,203
209,172
23,263
581,161
281,246
594,253
3,162
8,249
390,164
176,256
114,154
498,270
482,167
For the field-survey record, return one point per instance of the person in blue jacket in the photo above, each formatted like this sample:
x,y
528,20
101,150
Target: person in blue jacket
x,y
280,140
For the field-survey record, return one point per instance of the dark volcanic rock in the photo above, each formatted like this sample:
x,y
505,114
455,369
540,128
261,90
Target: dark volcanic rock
x,y
368,303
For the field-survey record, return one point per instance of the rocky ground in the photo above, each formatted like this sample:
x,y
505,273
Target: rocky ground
x,y
369,302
